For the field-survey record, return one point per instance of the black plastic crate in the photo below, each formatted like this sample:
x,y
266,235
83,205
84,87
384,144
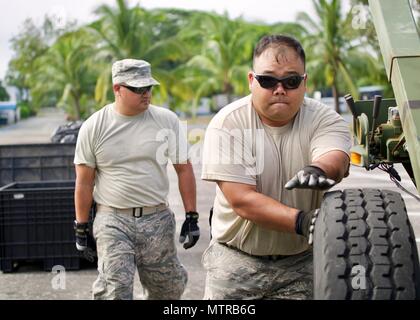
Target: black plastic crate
x,y
36,223
36,162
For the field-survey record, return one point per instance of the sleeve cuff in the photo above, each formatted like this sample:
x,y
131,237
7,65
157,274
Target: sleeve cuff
x,y
228,178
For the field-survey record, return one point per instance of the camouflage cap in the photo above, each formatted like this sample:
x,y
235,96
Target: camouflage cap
x,y
133,73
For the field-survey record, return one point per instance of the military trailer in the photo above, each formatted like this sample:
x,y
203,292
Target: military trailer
x,y
364,244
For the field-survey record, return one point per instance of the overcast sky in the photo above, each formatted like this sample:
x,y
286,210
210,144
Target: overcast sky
x,y
14,12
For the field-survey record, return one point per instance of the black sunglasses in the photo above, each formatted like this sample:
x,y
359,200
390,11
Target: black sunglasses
x,y
288,82
136,90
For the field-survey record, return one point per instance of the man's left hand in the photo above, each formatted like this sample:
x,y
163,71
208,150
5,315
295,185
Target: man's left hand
x,y
310,177
305,224
190,230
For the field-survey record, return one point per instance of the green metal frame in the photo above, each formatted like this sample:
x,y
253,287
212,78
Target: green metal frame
x,y
400,46
386,140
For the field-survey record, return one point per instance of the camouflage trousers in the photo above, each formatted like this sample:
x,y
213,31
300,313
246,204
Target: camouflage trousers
x,y
125,243
234,275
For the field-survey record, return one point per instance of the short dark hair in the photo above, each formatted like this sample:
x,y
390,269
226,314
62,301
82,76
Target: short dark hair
x,y
274,41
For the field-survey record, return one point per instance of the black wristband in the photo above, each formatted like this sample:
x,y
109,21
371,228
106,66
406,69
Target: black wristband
x,y
299,220
191,215
81,227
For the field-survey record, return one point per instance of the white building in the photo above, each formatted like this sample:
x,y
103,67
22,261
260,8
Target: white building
x,y
9,113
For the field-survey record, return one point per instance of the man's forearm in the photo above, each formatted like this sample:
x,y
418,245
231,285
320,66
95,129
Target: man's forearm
x,y
187,189
335,164
83,198
266,212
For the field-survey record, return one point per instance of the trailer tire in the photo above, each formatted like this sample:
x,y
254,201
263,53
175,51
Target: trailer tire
x,y
365,248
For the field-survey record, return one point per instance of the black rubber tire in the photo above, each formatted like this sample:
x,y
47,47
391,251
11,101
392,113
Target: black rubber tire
x,y
365,248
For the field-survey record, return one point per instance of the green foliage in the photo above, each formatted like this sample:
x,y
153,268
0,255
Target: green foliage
x,y
336,57
136,33
65,72
29,46
193,55
222,62
25,110
4,96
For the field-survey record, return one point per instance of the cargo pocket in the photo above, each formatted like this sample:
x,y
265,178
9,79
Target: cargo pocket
x,y
207,255
99,288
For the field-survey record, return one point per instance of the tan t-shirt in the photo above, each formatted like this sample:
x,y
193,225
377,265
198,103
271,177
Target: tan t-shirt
x,y
131,154
238,147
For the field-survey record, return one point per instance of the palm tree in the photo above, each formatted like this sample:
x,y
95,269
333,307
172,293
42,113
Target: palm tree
x,y
292,29
4,95
124,32
223,56
330,47
66,69
28,46
224,59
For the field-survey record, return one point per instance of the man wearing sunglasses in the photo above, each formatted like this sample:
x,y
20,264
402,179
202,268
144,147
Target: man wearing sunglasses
x,y
121,161
272,154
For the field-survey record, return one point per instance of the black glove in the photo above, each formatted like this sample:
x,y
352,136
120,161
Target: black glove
x,y
84,240
305,224
310,177
190,229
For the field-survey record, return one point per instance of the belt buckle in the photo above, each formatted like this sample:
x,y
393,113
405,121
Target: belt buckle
x,y
137,212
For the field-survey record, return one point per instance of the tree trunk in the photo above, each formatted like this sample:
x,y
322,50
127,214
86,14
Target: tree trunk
x,y
194,110
336,97
228,90
77,106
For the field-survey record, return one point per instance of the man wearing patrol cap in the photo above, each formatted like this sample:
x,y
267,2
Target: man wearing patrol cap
x,y
134,73
121,159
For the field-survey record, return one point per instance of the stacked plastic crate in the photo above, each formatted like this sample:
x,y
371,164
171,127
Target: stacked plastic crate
x,y
37,206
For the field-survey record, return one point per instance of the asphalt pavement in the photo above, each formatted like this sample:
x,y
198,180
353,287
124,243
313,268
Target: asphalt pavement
x,y
28,282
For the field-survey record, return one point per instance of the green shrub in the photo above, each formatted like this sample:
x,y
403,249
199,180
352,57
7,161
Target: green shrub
x,y
25,110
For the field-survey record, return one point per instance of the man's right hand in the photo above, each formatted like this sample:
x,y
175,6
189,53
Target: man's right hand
x,y
83,239
190,230
82,232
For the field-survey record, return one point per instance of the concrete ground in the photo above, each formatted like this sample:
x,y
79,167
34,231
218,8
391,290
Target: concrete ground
x,y
29,283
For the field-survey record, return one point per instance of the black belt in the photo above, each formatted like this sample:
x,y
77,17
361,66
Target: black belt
x,y
267,257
